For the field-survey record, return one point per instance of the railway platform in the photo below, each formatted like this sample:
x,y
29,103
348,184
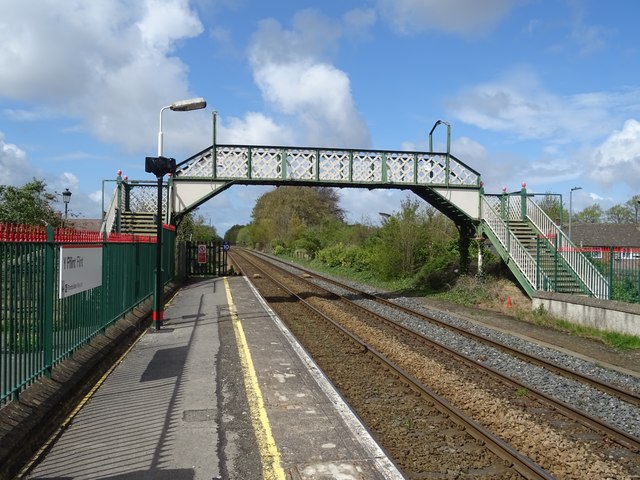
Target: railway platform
x,y
221,391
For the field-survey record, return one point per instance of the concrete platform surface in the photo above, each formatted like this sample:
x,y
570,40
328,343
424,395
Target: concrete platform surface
x,y
222,391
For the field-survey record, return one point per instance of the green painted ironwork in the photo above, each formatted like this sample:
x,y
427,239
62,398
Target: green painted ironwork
x,y
38,329
206,259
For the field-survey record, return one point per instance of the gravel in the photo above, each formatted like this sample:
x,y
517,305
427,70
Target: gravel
x,y
610,409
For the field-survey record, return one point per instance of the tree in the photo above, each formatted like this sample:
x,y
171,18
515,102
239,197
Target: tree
x,y
592,214
634,206
281,216
619,214
192,228
552,206
30,204
231,235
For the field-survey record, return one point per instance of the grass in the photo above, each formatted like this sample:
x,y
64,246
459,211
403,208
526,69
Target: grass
x,y
619,341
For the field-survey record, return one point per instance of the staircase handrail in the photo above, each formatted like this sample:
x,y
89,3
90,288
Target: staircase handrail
x,y
109,217
586,271
512,246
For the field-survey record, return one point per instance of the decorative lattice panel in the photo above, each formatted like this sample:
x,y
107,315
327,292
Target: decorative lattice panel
x,y
432,169
367,167
301,164
401,167
232,162
334,165
144,198
266,163
200,167
461,175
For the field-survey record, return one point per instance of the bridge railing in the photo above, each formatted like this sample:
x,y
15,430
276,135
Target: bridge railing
x,y
261,163
583,268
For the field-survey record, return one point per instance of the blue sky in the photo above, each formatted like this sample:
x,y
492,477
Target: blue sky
x,y
541,91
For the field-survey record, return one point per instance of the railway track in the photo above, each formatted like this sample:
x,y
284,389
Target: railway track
x,y
616,391
323,301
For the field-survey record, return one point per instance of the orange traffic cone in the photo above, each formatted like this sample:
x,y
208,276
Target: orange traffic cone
x,y
509,304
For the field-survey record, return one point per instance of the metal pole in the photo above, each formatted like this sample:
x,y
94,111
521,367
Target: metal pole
x,y
570,211
160,131
158,310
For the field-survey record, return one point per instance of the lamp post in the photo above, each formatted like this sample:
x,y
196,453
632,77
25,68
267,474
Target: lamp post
x,y
160,166
637,205
571,207
66,198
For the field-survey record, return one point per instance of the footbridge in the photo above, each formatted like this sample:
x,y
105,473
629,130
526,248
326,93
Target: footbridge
x,y
531,244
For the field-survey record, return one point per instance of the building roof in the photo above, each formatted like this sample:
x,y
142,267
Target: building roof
x,y
606,234
87,224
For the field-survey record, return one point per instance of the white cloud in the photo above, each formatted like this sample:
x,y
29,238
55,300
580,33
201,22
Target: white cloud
x,y
254,129
617,160
358,22
99,63
290,70
460,17
520,105
362,204
15,168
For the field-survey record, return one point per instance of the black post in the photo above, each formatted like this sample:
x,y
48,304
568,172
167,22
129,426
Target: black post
x,y
158,311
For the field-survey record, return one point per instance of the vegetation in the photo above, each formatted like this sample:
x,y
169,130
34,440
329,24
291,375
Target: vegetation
x,y
30,204
192,228
414,251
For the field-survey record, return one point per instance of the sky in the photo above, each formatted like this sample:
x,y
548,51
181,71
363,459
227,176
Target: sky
x,y
545,92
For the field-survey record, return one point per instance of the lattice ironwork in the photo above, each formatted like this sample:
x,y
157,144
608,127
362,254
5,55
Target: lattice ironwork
x,y
203,167
334,165
266,163
237,162
144,198
301,164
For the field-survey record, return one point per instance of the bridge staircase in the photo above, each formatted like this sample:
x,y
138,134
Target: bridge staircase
x,y
535,249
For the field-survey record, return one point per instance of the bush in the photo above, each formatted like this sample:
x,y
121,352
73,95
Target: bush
x,y
279,250
339,255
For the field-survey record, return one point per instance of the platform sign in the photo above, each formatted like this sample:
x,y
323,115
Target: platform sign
x,y
202,254
80,269
225,246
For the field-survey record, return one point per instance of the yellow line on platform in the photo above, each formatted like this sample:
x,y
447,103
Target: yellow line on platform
x,y
271,469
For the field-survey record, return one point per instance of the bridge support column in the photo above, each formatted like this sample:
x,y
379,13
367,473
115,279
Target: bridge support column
x,y
463,246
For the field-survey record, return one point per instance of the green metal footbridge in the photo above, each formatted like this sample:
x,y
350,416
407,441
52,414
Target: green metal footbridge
x,y
534,248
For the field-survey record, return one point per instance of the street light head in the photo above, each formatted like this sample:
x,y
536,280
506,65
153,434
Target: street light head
x,y
66,196
187,105
576,188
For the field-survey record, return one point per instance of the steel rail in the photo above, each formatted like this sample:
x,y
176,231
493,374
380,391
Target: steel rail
x,y
519,462
623,394
619,436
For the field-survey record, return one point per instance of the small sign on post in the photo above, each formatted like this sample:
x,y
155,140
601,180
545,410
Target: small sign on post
x,y
202,254
80,269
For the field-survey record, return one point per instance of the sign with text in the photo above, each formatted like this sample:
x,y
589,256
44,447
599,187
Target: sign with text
x,y
202,254
80,269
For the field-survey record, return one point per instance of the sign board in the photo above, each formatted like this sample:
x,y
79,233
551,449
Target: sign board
x,y
225,246
80,269
202,254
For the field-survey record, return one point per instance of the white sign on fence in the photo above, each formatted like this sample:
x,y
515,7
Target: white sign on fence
x,y
80,269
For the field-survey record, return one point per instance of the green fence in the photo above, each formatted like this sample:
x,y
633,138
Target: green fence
x,y
42,318
618,266
621,267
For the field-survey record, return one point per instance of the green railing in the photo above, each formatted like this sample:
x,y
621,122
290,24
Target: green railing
x,y
621,267
39,324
